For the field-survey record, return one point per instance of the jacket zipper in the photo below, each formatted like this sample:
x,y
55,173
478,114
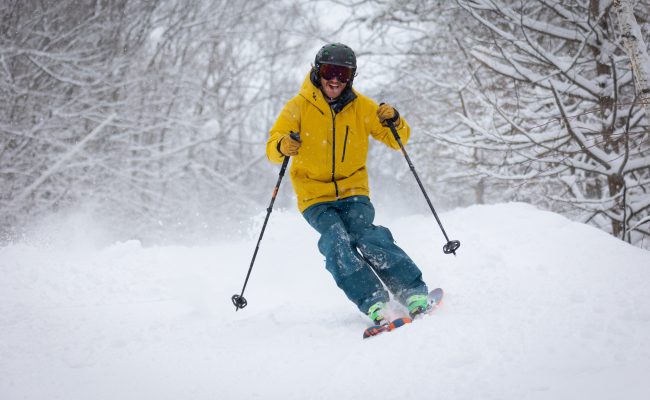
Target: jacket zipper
x,y
336,186
345,142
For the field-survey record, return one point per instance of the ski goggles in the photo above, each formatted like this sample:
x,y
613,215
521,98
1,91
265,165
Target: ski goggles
x,y
330,71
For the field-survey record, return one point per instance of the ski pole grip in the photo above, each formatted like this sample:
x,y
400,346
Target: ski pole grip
x,y
391,124
295,136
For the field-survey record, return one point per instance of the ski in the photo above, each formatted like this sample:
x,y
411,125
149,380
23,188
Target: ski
x,y
435,300
386,327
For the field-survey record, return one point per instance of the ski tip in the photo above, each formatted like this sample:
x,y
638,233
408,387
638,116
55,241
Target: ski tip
x,y
375,330
436,295
387,327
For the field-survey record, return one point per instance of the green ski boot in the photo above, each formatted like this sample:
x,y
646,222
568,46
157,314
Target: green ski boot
x,y
417,304
376,313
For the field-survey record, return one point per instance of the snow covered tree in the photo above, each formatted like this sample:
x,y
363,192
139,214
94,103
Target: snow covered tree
x,y
416,55
636,49
61,64
150,114
567,121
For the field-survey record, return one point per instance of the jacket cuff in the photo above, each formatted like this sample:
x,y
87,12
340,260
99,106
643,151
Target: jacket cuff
x,y
277,146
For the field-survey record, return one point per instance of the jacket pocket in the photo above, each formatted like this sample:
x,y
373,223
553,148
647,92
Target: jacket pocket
x,y
345,142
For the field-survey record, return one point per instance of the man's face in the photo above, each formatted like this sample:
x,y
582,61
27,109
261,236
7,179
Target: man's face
x,y
332,88
334,78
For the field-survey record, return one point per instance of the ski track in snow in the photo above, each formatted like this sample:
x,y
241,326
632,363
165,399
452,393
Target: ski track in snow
x,y
536,307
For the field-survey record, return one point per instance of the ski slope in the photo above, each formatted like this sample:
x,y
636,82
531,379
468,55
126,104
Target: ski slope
x,y
536,307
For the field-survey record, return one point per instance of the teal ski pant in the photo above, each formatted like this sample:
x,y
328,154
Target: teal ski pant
x,y
360,255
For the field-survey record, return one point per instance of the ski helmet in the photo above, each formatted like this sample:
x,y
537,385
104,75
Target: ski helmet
x,y
335,54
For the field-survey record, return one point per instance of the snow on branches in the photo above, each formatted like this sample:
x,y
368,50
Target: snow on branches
x,y
566,118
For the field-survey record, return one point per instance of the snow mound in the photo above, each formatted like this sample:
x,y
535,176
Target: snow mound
x,y
537,307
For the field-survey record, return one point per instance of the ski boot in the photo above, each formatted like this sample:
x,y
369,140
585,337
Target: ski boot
x,y
418,304
421,304
376,313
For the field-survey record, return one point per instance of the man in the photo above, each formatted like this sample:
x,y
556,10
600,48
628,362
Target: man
x,y
329,176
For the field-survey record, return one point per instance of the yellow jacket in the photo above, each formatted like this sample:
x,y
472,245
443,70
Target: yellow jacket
x,y
331,162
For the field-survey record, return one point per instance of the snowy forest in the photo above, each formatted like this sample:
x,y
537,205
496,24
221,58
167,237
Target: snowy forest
x,y
151,117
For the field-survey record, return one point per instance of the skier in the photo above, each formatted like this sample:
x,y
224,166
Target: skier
x,y
330,180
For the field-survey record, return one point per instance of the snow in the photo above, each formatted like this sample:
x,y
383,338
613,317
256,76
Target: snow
x,y
536,307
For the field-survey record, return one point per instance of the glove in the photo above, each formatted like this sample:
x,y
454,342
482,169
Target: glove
x,y
288,146
387,113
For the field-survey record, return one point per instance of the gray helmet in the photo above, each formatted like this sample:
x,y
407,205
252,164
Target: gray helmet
x,y
336,54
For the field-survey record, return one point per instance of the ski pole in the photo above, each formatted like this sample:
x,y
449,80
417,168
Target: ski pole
x,y
452,245
238,299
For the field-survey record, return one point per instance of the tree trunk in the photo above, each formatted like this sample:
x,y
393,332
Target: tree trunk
x,y
636,50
